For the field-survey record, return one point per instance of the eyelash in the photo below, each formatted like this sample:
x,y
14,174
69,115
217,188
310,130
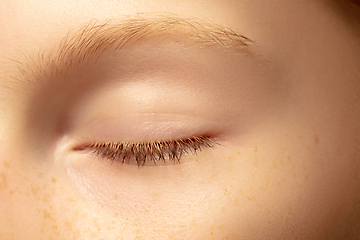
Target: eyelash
x,y
150,151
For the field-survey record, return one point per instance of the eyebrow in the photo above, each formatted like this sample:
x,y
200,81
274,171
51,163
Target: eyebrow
x,y
95,40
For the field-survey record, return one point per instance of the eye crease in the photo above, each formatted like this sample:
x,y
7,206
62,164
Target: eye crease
x,y
156,151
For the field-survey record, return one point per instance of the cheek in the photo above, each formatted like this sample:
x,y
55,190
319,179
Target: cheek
x,y
179,192
25,198
291,182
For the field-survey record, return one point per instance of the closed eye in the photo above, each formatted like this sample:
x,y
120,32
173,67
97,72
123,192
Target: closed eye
x,y
155,151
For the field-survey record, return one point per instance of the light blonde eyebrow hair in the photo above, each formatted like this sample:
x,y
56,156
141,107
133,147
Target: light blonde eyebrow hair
x,y
96,40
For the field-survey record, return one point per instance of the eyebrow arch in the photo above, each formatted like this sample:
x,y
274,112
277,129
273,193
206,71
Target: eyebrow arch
x,y
95,40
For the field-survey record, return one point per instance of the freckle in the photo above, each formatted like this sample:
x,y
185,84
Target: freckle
x,y
236,201
289,159
41,175
229,158
290,210
54,180
46,214
55,228
3,181
35,190
316,139
116,197
255,149
7,164
251,198
238,153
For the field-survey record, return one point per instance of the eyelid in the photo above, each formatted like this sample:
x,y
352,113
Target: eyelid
x,y
142,128
141,138
155,151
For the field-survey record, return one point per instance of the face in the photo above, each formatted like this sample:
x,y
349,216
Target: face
x,y
195,119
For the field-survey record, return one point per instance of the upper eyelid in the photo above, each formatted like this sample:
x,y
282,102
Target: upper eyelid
x,y
95,40
148,151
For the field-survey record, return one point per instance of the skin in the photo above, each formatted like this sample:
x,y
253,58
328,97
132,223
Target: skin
x,y
285,121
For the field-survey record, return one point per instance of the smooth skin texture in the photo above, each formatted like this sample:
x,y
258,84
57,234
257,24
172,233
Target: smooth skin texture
x,y
284,114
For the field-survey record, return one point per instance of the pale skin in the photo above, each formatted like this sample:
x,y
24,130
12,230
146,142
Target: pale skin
x,y
280,105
